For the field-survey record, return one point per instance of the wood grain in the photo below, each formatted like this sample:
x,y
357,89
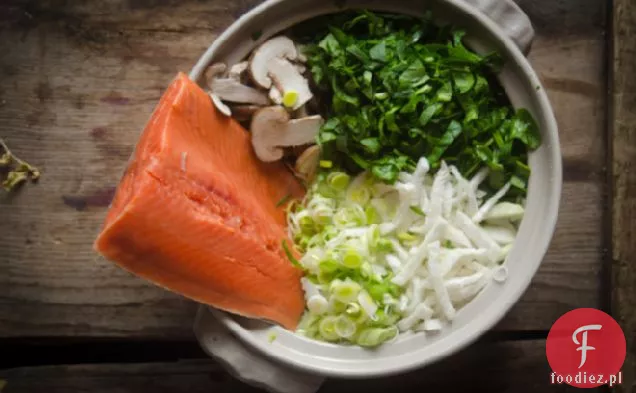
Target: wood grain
x,y
514,367
623,161
79,80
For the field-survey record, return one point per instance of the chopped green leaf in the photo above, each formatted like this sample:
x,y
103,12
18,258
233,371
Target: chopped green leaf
x,y
445,93
464,81
378,52
428,113
395,88
452,132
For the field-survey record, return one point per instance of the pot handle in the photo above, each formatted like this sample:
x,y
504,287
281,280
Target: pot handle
x,y
510,18
246,364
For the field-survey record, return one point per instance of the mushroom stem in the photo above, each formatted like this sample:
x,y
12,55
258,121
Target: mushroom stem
x,y
229,89
272,130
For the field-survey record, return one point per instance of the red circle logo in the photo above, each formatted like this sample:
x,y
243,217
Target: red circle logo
x,y
586,348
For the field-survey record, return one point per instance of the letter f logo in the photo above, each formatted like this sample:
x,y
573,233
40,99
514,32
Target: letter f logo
x,y
584,347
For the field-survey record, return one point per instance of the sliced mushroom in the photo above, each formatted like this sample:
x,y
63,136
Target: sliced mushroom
x,y
307,163
275,48
301,112
301,56
300,68
287,78
231,90
275,95
244,112
238,70
272,129
213,72
220,105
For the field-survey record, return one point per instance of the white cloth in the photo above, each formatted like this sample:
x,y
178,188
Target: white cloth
x,y
246,364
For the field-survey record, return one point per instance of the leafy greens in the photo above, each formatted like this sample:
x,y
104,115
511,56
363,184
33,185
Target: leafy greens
x,y
397,88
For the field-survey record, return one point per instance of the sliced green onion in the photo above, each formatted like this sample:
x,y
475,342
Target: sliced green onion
x,y
322,215
336,306
290,98
366,270
354,311
372,215
338,180
367,304
350,216
373,337
345,291
325,277
290,256
345,327
417,210
352,259
306,224
383,319
327,328
406,237
359,195
326,164
317,304
308,325
283,200
328,265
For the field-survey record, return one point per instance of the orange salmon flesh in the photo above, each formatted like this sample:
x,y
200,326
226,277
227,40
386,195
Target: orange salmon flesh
x,y
195,212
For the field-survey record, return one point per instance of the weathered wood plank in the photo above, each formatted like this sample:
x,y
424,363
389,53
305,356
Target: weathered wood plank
x,y
623,163
81,79
514,367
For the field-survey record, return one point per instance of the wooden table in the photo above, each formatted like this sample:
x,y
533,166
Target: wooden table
x,y
78,80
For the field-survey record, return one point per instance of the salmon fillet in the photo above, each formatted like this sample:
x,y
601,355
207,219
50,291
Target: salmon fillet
x,y
196,212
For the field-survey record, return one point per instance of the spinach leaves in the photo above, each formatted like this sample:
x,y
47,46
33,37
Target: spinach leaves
x,y
396,88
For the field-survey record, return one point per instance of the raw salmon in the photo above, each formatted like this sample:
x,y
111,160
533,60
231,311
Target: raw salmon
x,y
196,212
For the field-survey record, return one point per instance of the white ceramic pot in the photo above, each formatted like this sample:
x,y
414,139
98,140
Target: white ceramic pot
x,y
490,25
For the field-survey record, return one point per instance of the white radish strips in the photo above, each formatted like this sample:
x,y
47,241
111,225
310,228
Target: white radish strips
x,y
485,208
477,235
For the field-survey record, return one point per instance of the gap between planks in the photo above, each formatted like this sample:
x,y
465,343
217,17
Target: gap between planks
x,y
622,161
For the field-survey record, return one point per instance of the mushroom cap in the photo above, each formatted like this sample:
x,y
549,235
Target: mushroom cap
x,y
237,70
224,109
272,129
307,163
287,78
277,47
214,71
